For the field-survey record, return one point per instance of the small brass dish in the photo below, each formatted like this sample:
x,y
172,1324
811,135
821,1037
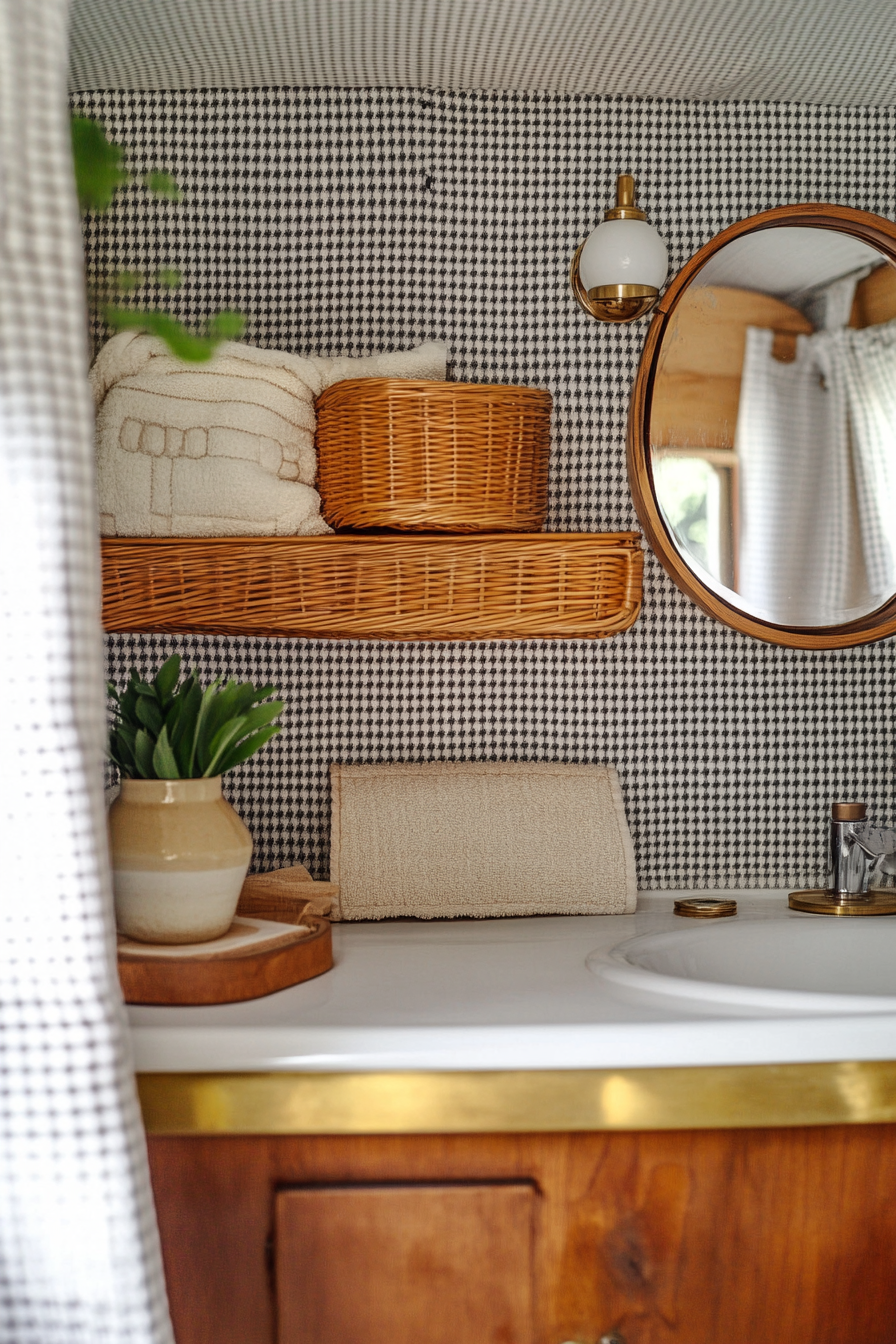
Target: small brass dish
x,y
819,902
704,907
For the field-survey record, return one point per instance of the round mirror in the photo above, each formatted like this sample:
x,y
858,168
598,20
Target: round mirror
x,y
762,434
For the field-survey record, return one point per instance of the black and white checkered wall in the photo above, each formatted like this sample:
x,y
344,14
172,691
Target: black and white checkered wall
x,y
359,220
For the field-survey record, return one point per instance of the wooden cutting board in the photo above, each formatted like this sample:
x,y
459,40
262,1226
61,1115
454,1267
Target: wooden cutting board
x,y
255,957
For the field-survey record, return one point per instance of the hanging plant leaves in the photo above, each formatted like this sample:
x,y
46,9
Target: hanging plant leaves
x,y
99,172
162,184
182,342
99,166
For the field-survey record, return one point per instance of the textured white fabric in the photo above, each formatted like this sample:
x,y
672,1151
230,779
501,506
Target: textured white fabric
x,y
816,440
79,1258
817,51
479,840
865,361
219,449
799,558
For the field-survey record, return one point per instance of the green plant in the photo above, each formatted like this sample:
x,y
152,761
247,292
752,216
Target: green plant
x,y
99,172
172,729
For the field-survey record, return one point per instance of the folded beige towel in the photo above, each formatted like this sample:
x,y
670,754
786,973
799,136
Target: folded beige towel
x,y
224,448
479,840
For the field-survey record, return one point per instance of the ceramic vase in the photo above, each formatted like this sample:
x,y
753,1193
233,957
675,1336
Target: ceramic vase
x,y
179,857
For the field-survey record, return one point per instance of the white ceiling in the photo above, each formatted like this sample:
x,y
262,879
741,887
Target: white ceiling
x,y
816,51
786,262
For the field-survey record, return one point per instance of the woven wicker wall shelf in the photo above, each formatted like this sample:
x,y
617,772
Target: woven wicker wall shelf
x,y
548,585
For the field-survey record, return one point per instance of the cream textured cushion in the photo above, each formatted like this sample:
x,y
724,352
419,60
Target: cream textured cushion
x,y
480,840
219,449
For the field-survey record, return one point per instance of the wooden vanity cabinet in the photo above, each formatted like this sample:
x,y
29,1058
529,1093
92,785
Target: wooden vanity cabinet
x,y
772,1236
403,1263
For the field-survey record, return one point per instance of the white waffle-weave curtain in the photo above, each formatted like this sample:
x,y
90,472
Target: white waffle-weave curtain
x,y
79,1257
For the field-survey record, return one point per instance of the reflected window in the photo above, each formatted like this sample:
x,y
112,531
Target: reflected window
x,y
698,490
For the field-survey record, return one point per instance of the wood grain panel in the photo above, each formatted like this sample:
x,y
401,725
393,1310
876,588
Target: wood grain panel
x,y
783,1236
875,299
406,1264
697,389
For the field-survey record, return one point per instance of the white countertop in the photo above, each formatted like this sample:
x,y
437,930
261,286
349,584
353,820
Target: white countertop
x,y
490,994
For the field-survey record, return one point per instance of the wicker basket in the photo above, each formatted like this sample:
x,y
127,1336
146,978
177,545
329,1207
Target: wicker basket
x,y
420,455
548,585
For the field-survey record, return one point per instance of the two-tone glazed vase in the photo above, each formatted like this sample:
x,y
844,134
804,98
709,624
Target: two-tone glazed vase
x,y
180,855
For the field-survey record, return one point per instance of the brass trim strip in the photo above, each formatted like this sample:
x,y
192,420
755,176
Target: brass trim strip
x,y
725,1097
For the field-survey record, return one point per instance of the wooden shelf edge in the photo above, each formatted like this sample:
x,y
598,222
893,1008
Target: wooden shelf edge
x,y
412,586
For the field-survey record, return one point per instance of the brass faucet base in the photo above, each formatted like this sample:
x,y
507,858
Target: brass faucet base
x,y
819,902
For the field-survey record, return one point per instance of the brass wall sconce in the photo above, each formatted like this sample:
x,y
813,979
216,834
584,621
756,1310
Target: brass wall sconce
x,y
617,273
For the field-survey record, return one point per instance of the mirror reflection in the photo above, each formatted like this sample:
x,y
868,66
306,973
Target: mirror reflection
x,y
773,426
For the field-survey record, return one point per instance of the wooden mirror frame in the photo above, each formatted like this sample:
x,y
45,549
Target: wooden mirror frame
x,y
872,229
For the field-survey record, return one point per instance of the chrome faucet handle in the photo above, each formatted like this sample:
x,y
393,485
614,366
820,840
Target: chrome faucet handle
x,y
849,862
855,848
879,842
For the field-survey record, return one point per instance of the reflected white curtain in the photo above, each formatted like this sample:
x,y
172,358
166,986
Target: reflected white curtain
x,y
79,1254
864,362
816,445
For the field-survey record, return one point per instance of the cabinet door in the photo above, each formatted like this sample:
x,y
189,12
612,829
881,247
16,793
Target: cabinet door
x,y
405,1264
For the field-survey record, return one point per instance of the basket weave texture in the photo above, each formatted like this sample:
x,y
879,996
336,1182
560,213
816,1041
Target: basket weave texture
x,y
421,455
547,585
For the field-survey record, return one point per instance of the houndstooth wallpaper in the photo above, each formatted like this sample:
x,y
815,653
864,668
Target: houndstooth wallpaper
x,y
355,220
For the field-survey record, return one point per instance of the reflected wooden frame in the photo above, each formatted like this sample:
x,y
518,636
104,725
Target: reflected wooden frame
x,y
872,229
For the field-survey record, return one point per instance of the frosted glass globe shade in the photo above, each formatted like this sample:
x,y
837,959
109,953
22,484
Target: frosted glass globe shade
x,y
624,252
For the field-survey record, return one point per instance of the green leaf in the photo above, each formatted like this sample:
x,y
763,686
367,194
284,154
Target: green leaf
x,y
143,749
222,709
121,751
237,727
228,734
232,733
127,733
208,696
150,715
172,712
262,714
183,735
166,678
264,692
162,184
227,326
127,281
234,699
182,343
168,277
163,759
247,748
98,165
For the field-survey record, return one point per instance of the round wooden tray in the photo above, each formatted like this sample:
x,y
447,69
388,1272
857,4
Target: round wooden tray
x,y
227,976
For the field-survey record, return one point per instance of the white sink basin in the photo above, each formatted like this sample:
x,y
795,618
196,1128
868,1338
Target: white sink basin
x,y
803,965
